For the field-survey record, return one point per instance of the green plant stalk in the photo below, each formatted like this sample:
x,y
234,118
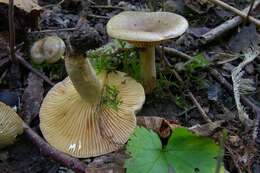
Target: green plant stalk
x,y
148,69
84,78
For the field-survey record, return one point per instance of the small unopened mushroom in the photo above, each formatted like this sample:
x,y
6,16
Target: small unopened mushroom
x,y
11,125
49,49
88,115
145,30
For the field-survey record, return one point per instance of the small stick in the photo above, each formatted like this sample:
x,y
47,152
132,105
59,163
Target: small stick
x,y
203,113
53,30
225,27
193,99
107,7
98,16
3,75
92,2
236,11
48,151
11,30
250,8
234,158
28,66
4,61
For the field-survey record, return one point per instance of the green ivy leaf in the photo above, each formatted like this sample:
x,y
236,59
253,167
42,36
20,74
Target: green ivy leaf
x,y
184,153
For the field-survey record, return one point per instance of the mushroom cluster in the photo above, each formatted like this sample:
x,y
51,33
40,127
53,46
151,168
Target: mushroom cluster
x,y
145,30
82,116
89,114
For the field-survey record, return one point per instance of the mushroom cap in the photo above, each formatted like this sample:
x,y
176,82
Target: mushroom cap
x,y
49,49
143,28
83,129
11,125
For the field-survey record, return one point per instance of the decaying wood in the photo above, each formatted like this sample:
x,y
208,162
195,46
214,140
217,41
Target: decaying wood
x,y
236,11
32,98
226,26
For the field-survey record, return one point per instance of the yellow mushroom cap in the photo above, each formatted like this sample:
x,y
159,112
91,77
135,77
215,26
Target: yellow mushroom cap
x,y
11,125
82,129
146,27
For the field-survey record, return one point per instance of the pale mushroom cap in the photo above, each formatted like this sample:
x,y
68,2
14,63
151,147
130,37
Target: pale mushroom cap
x,y
83,130
54,48
11,125
146,27
49,49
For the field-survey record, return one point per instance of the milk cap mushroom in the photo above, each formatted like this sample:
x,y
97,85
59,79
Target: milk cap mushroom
x,y
11,125
49,49
78,116
145,30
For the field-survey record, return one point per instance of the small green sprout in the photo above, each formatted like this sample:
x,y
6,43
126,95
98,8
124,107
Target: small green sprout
x,y
110,97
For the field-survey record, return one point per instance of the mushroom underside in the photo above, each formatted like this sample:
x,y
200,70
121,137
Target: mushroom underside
x,y
11,125
82,129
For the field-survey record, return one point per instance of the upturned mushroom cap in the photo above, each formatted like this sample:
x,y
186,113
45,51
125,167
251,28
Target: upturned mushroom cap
x,y
49,49
82,129
11,125
146,28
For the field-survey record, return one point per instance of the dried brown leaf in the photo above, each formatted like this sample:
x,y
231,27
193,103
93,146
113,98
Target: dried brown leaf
x,y
26,5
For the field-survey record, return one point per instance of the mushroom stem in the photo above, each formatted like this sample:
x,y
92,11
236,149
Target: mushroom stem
x,y
84,78
148,69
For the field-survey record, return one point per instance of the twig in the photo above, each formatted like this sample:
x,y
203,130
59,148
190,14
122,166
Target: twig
x,y
225,27
232,155
98,16
14,70
193,99
4,61
53,30
48,151
250,9
28,66
3,75
92,2
11,30
236,11
201,110
186,111
108,7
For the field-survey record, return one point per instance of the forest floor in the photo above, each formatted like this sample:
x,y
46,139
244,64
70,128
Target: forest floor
x,y
86,21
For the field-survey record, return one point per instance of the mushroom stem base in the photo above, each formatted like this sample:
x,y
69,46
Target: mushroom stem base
x,y
148,69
